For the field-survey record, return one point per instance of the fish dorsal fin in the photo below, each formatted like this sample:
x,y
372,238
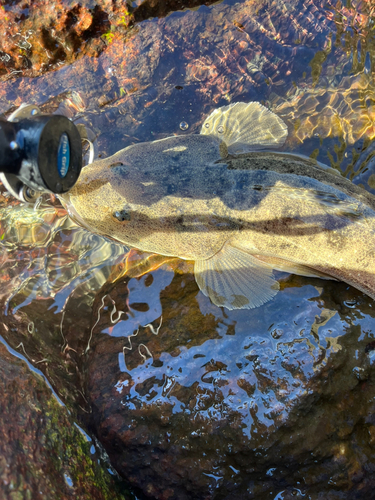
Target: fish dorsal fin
x,y
246,127
235,279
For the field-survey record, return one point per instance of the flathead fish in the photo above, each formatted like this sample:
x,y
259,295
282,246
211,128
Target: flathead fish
x,y
238,211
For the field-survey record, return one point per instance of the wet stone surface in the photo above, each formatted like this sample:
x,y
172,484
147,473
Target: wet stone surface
x,y
178,67
50,270
43,454
41,36
191,401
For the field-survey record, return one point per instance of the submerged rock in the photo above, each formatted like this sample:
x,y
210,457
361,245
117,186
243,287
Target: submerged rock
x,y
192,401
42,36
139,84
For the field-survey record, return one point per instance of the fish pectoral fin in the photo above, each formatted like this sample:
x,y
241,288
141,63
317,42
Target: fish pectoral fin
x,y
235,279
246,127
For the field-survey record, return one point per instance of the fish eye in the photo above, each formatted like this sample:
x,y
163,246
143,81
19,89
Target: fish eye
x,y
122,215
117,164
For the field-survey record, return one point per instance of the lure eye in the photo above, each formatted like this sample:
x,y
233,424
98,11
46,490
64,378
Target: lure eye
x,y
122,215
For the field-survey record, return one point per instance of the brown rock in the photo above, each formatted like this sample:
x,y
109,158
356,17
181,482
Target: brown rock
x,y
42,453
195,402
173,69
40,36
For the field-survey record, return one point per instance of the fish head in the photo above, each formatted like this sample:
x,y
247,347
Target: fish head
x,y
133,194
99,201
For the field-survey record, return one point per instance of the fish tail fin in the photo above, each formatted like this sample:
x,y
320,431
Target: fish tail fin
x,y
246,127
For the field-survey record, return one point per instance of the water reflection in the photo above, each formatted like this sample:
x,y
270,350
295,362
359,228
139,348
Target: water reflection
x,y
50,272
209,387
239,362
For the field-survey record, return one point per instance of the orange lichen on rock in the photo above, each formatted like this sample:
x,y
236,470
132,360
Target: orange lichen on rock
x,y
42,35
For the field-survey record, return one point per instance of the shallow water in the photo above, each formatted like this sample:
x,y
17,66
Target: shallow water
x,y
190,400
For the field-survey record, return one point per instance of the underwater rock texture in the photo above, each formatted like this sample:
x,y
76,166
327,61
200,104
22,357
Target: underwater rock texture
x,y
42,453
149,78
194,402
42,36
49,269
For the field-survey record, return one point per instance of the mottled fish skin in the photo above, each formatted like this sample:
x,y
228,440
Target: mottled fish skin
x,y
169,209
313,217
237,217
